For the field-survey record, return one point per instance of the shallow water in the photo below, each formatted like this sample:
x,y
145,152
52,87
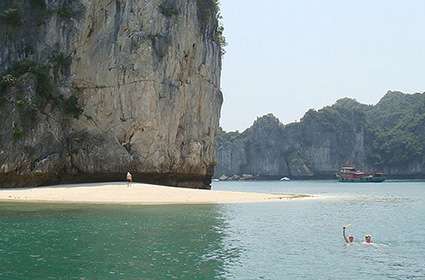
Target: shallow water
x,y
298,239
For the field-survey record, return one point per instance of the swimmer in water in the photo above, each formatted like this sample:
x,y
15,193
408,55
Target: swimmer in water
x,y
368,239
349,239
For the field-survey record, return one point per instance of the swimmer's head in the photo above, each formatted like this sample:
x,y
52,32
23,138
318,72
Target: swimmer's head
x,y
368,238
350,238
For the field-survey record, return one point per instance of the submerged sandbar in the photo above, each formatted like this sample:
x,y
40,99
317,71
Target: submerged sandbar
x,y
137,194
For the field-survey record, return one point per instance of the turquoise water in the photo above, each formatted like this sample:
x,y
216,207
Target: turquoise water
x,y
278,240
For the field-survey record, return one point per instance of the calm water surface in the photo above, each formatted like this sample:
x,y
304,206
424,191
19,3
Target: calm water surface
x,y
278,240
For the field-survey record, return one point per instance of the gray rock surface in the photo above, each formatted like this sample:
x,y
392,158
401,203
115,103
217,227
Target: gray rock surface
x,y
147,81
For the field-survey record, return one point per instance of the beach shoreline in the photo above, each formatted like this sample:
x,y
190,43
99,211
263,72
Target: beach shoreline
x,y
138,194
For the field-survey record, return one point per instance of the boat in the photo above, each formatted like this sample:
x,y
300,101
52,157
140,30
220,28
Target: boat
x,y
285,179
223,178
349,174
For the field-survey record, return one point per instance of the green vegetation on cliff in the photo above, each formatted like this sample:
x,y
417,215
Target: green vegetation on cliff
x,y
168,9
210,18
24,15
398,125
11,17
32,76
16,80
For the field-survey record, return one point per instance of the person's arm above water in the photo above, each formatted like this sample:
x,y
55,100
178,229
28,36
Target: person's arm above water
x,y
343,234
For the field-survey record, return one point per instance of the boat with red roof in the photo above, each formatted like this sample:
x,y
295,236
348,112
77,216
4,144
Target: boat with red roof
x,y
348,173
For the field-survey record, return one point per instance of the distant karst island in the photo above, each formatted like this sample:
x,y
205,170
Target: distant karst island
x,y
387,137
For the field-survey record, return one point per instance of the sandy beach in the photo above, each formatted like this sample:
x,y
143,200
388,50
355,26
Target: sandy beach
x,y
138,194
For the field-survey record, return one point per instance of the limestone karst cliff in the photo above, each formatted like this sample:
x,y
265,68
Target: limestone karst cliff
x,y
389,137
92,88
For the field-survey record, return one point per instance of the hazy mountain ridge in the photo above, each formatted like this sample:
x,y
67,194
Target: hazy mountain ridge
x,y
389,136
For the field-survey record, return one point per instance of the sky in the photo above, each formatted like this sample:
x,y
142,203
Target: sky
x,y
287,56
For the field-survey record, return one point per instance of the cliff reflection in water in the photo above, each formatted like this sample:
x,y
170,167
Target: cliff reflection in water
x,y
157,242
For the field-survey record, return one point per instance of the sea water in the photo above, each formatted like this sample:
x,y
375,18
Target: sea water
x,y
298,239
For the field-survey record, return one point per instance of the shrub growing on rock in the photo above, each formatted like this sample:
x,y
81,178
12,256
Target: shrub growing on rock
x,y
11,17
168,9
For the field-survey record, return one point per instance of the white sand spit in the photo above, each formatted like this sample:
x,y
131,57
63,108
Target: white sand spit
x,y
138,194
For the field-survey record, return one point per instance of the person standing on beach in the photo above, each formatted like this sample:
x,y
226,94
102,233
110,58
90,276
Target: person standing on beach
x,y
129,179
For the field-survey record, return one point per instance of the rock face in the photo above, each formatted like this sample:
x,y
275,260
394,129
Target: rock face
x,y
93,88
389,137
